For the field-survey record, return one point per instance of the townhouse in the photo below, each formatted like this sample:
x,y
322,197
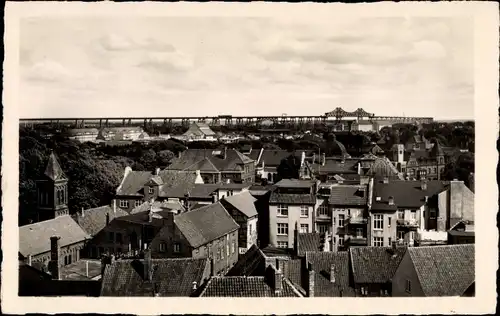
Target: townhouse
x,y
291,203
242,209
205,232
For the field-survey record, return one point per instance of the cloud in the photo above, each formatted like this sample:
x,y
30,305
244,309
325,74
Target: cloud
x,y
115,42
174,62
46,71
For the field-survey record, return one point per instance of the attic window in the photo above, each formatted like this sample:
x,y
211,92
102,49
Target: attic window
x,y
378,198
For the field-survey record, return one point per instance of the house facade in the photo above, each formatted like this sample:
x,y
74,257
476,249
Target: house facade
x,y
242,209
206,232
293,202
83,134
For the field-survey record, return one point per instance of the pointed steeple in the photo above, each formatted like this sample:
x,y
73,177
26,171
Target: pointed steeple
x,y
53,170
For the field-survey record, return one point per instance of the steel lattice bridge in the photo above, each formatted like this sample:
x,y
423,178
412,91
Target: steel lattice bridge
x,y
337,116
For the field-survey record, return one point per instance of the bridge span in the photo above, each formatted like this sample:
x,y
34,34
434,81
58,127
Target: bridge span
x,y
358,119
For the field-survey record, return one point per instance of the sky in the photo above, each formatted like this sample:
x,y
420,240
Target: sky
x,y
190,66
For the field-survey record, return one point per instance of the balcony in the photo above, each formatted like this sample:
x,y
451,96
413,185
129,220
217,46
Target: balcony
x,y
411,224
356,220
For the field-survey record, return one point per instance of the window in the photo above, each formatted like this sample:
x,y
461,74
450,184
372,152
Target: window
x,y
389,221
341,220
401,235
222,253
111,236
359,232
137,203
401,215
304,228
408,286
434,170
433,214
323,228
304,211
151,190
124,203
282,244
218,255
323,210
118,237
163,247
177,248
282,210
378,221
389,241
282,229
378,241
341,240
413,215
234,246
412,235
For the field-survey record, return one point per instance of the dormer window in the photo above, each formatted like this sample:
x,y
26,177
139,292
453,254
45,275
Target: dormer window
x,y
378,199
151,190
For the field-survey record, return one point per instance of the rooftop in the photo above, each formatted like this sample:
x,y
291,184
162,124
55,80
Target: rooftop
x,y
308,242
375,264
34,239
205,224
356,195
170,277
444,270
94,220
244,202
212,160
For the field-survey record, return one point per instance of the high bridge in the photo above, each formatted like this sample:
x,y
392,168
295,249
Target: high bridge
x,y
357,120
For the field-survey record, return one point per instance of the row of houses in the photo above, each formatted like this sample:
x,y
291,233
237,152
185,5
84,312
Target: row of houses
x,y
198,210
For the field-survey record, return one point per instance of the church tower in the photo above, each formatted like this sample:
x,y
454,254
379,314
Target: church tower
x,y
52,191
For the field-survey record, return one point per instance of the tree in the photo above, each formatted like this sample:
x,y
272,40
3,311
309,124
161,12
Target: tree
x,y
289,168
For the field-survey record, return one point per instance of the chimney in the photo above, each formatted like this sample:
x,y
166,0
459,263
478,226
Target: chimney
x,y
29,260
157,171
179,154
212,267
278,280
332,273
107,219
150,214
83,212
214,198
114,206
391,200
359,168
323,159
386,180
310,283
55,253
148,265
423,185
314,158
224,153
195,285
426,199
86,268
186,201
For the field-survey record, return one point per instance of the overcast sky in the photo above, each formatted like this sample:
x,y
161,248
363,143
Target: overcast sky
x,y
176,66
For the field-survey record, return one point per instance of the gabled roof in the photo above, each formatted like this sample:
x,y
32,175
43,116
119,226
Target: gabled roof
x,y
383,167
252,262
375,264
34,239
294,183
205,224
176,183
53,170
406,193
444,270
253,286
171,277
273,157
133,182
190,159
199,129
348,195
243,202
94,220
286,198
